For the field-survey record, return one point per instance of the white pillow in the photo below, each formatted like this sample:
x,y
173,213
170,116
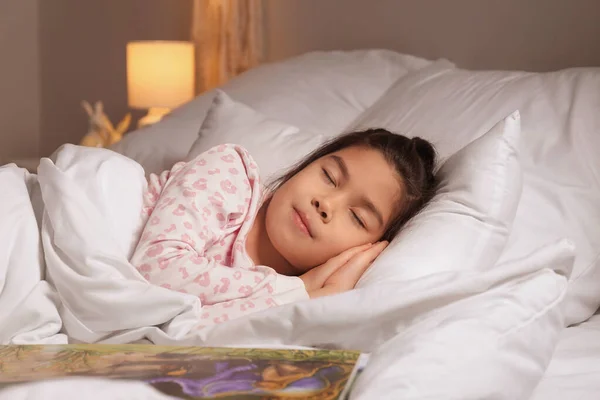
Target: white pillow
x,y
322,91
559,142
449,107
467,223
274,145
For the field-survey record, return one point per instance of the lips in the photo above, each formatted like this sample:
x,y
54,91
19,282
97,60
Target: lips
x,y
301,221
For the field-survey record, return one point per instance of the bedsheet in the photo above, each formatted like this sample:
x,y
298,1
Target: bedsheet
x,y
65,277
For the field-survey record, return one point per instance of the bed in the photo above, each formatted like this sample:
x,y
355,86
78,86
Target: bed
x,y
326,93
562,104
503,309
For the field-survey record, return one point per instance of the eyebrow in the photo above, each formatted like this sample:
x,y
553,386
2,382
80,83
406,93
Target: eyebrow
x,y
368,203
373,209
342,165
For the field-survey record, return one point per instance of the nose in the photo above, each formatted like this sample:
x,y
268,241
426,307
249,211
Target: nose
x,y
323,208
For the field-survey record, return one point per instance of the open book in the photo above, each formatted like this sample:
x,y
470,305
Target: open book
x,y
192,372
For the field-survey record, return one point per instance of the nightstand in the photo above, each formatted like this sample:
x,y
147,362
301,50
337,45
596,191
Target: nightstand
x,y
30,164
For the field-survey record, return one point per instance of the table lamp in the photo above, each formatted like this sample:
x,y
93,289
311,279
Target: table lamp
x,y
160,77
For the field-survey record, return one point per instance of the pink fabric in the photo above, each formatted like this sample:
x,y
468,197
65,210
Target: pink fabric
x,y
198,216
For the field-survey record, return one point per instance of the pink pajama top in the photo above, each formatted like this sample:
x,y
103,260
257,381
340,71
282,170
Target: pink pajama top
x,y
198,216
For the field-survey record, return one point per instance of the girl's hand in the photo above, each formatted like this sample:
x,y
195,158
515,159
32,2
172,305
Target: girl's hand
x,y
341,273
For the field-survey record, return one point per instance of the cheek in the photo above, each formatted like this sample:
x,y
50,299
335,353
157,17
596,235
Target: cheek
x,y
336,244
272,216
276,217
341,237
276,205
345,238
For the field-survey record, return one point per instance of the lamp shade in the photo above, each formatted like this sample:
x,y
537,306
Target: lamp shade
x,y
159,73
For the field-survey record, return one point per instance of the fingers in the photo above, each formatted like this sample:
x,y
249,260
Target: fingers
x,y
368,256
340,260
358,264
376,249
316,277
347,255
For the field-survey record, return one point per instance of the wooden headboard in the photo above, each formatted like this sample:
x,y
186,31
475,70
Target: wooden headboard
x,y
533,35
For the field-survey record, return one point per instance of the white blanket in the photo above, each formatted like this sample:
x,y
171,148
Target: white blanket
x,y
504,322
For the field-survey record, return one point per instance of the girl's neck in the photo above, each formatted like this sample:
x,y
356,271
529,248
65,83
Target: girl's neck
x,y
261,250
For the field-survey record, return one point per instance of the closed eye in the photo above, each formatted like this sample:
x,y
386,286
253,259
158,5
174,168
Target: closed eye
x,y
328,176
358,220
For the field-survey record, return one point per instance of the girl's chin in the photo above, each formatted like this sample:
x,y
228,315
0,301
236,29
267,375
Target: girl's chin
x,y
289,270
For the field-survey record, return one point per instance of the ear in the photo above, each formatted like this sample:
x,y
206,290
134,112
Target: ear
x,y
99,107
87,107
124,124
107,123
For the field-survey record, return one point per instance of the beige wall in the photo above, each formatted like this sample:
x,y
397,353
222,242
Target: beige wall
x,y
535,35
82,44
55,53
19,79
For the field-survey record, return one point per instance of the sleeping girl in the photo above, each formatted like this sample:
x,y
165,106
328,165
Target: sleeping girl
x,y
215,232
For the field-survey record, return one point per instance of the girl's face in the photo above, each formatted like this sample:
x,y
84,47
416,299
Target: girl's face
x,y
340,201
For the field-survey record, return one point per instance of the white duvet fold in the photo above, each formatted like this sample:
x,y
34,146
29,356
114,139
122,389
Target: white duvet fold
x,y
28,304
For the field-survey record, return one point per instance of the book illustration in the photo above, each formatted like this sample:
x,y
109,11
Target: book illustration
x,y
190,372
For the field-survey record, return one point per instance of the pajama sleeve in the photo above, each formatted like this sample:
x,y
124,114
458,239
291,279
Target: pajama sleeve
x,y
200,203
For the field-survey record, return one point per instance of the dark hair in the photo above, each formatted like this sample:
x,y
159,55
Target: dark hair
x,y
413,158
